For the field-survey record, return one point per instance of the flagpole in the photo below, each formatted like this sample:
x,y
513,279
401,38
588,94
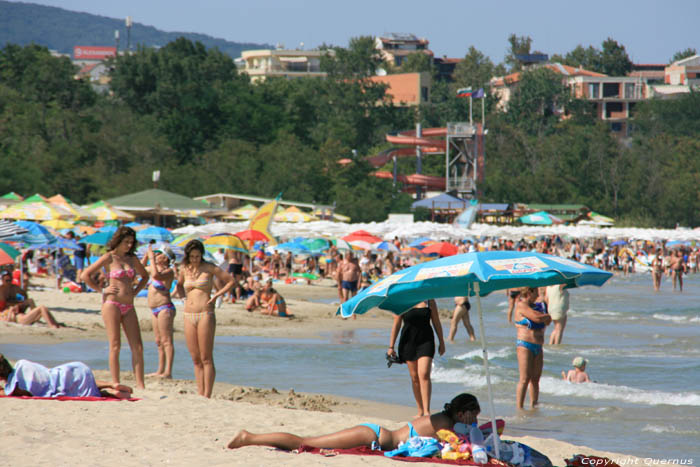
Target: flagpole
x,y
470,109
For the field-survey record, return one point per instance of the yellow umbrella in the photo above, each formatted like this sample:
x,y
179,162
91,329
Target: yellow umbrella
x,y
58,224
35,211
294,214
106,212
242,213
225,241
77,212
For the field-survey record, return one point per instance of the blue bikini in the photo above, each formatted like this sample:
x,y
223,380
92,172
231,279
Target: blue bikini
x,y
376,428
534,348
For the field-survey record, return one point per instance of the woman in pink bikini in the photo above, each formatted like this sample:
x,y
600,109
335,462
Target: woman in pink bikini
x,y
195,283
121,265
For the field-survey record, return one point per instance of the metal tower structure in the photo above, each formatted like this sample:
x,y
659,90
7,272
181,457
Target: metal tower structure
x,y
464,158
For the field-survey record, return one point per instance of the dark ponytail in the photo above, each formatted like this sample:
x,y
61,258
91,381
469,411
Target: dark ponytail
x,y
5,367
463,402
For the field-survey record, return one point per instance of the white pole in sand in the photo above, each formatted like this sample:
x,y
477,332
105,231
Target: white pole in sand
x,y
496,440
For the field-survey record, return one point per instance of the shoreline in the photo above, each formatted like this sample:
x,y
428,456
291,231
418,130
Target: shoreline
x,y
198,429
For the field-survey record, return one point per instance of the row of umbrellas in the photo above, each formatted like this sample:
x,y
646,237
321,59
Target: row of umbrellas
x,y
60,208
291,214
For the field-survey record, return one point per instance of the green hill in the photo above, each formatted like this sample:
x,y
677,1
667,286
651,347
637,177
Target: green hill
x,y
61,30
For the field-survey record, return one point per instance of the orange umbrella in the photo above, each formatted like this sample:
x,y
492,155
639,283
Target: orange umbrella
x,y
361,235
251,235
441,248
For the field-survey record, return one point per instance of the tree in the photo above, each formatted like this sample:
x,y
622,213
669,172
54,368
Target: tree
x,y
584,57
360,60
681,54
417,62
475,70
614,60
519,45
538,101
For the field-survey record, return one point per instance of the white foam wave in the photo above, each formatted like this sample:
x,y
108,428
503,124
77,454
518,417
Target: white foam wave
x,y
504,352
676,319
560,387
668,429
471,376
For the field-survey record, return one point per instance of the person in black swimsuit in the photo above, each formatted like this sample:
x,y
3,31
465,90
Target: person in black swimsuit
x,y
417,348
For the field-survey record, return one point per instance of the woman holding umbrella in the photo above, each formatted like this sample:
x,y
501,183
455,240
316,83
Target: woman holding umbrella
x,y
531,319
417,348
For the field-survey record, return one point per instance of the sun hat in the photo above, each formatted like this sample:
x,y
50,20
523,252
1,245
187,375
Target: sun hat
x,y
579,362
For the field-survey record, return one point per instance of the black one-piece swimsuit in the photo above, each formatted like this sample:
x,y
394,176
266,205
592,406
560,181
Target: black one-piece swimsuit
x,y
417,338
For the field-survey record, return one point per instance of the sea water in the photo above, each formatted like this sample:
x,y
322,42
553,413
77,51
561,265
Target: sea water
x,y
643,350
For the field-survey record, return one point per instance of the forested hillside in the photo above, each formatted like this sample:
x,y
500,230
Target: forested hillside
x,y
61,30
185,110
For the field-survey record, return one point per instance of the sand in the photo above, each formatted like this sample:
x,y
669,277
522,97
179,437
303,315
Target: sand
x,y
171,424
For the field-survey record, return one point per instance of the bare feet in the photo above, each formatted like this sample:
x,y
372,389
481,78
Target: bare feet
x,y
155,375
240,440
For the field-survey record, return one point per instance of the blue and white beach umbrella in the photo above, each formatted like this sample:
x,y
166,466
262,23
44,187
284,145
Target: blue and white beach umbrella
x,y
472,274
159,234
36,234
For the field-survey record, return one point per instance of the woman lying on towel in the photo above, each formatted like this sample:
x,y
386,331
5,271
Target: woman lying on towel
x,y
463,409
73,379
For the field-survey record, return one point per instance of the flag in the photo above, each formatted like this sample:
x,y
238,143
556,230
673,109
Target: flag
x,y
479,93
263,218
464,92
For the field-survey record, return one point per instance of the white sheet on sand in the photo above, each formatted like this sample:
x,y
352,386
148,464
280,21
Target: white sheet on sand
x,y
73,379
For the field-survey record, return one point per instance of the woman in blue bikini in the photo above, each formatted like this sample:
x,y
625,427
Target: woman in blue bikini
x,y
531,319
462,409
163,310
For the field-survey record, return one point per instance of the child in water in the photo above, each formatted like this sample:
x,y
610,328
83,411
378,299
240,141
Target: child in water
x,y
578,374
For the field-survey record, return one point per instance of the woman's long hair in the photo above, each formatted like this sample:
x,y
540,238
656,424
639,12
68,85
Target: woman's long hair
x,y
121,233
5,367
461,403
191,246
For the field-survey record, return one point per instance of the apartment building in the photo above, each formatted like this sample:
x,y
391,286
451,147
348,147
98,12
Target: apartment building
x,y
395,47
280,62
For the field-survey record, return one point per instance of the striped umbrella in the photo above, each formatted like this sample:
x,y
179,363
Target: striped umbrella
x,y
10,229
9,250
40,211
36,234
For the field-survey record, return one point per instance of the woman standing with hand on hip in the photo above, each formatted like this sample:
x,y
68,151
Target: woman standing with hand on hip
x,y
121,266
417,348
195,282
162,307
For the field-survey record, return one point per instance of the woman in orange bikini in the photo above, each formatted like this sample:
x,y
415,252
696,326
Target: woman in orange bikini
x,y
195,283
121,265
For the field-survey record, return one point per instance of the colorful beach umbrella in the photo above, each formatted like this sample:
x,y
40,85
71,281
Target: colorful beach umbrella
x,y
252,236
540,218
36,234
159,234
225,241
385,246
472,274
57,224
10,250
363,236
10,229
420,242
77,212
341,244
440,248
36,211
13,196
98,238
6,259
104,211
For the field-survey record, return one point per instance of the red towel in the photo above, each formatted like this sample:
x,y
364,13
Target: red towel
x,y
67,398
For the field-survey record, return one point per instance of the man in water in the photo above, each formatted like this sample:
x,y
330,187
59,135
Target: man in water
x,y
349,275
677,267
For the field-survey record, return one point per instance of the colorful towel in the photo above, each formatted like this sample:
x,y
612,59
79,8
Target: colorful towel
x,y
365,451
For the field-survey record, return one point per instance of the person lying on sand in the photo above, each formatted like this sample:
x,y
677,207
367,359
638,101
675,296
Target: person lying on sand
x,y
578,374
15,307
73,379
462,409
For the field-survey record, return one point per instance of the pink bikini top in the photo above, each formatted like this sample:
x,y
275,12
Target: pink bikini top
x,y
121,274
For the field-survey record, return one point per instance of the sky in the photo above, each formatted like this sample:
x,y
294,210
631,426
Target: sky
x,y
651,30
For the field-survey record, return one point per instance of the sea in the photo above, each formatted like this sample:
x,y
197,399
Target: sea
x,y
642,347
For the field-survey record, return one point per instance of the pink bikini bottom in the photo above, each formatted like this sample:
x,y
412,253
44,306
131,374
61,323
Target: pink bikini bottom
x,y
124,308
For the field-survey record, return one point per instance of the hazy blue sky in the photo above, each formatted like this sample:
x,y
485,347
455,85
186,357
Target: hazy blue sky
x,y
651,30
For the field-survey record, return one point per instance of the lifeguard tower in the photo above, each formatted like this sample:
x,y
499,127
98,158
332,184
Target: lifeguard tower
x,y
464,158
